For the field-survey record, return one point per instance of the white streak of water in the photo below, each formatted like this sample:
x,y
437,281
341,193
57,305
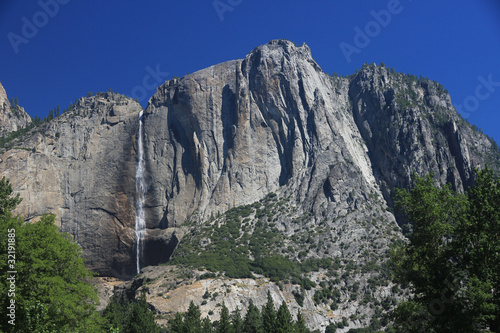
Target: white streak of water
x,y
140,192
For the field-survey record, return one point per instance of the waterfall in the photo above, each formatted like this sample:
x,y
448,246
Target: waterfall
x,y
140,192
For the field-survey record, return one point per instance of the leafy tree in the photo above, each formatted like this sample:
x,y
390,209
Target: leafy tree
x,y
269,315
451,260
52,285
478,243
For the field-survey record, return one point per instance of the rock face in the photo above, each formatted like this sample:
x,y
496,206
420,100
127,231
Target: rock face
x,y
409,125
228,135
12,118
81,166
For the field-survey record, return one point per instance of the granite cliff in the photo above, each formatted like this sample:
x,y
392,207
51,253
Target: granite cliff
x,y
313,159
81,167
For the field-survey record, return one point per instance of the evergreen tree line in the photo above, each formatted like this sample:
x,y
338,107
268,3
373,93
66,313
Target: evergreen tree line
x,y
123,315
267,320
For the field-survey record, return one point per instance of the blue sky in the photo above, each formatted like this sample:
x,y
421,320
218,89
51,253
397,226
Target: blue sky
x,y
78,46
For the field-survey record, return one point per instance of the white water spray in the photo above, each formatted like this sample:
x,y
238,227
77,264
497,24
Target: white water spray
x,y
140,192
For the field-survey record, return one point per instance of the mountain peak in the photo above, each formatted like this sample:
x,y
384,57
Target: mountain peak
x,y
286,46
279,49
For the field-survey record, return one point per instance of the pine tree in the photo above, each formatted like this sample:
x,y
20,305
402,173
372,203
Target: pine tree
x,y
237,322
7,203
253,321
177,324
300,325
192,321
224,325
284,320
331,328
206,326
141,319
269,315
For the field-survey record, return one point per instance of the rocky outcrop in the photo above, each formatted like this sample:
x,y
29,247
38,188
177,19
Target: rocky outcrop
x,y
228,135
12,118
410,126
170,289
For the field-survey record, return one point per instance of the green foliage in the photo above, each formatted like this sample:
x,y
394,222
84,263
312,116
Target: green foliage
x,y
206,326
326,293
52,285
237,322
269,321
331,328
224,324
253,319
451,260
300,325
299,296
284,320
140,318
14,102
6,141
7,202
230,250
192,322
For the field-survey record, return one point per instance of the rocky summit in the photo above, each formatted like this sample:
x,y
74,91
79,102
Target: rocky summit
x,y
252,158
12,116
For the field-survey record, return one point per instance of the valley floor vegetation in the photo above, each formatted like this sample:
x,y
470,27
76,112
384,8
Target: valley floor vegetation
x,y
449,263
